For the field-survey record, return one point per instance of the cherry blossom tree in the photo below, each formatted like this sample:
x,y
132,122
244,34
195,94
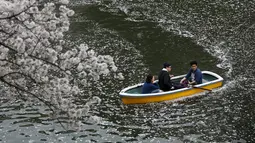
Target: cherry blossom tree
x,y
35,61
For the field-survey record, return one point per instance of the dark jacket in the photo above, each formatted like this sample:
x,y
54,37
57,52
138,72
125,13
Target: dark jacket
x,y
164,82
149,87
198,75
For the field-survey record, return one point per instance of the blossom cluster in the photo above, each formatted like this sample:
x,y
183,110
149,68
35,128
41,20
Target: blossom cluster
x,y
35,61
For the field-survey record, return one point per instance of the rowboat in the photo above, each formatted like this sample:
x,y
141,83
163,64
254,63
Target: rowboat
x,y
133,94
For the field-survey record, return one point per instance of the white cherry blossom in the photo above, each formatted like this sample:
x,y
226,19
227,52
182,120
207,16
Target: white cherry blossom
x,y
36,64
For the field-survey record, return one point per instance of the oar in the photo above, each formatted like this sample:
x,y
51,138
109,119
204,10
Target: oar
x,y
202,88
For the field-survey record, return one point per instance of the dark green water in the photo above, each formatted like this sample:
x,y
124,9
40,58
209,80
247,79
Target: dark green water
x,y
141,35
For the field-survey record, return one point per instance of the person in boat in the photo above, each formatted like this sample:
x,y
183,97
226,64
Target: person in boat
x,y
164,78
149,86
194,75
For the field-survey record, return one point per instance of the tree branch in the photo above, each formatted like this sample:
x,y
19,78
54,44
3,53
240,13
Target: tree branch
x,y
48,62
25,75
5,60
23,90
32,56
17,14
49,105
2,31
6,46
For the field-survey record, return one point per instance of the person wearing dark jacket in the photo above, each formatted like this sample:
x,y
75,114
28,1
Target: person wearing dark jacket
x,y
149,87
164,78
194,75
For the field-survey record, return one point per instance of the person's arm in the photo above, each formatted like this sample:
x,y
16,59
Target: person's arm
x,y
154,87
167,81
198,77
183,80
156,84
193,83
186,77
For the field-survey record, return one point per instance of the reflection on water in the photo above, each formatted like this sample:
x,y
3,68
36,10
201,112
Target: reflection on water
x,y
141,35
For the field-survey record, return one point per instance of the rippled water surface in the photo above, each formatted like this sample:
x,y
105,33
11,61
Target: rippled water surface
x,y
141,35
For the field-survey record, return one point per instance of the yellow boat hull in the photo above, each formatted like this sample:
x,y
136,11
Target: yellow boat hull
x,y
165,97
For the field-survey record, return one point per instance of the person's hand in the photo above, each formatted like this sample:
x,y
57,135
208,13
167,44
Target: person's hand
x,y
191,83
182,80
171,75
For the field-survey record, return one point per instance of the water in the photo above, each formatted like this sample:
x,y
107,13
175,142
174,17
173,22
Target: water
x,y
141,35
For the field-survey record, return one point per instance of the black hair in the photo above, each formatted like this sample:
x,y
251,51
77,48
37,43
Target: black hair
x,y
193,63
149,78
165,65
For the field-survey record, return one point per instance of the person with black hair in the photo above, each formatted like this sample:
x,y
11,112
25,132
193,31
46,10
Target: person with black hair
x,y
164,78
194,75
149,86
